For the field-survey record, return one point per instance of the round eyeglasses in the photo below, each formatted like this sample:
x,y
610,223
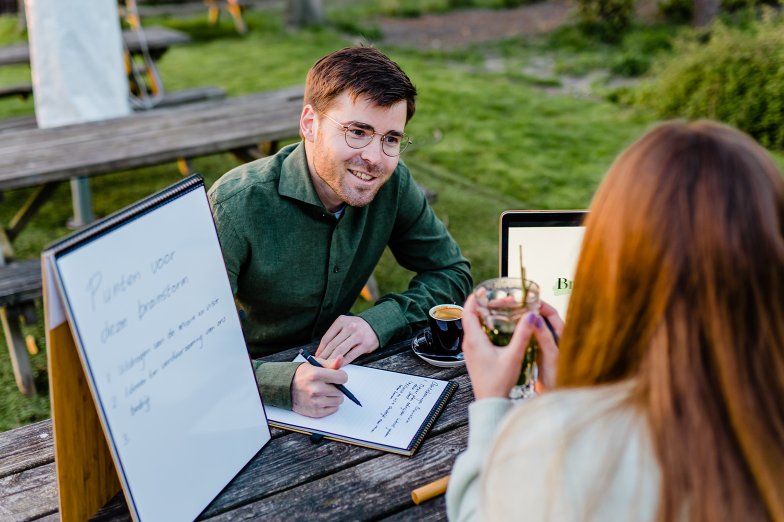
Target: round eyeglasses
x,y
359,135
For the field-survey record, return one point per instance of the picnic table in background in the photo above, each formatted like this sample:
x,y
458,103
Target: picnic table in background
x,y
299,13
292,478
154,40
248,126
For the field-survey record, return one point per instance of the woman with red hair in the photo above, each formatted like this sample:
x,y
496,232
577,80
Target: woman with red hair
x,y
665,398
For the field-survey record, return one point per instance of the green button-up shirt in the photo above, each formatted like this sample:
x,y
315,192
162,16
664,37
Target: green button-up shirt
x,y
294,267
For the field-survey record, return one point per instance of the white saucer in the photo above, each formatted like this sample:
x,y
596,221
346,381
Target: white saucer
x,y
442,363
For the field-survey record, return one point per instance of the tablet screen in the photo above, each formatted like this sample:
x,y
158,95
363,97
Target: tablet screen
x,y
550,242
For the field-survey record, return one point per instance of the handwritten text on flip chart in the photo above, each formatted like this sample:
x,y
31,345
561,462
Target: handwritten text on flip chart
x,y
143,314
139,296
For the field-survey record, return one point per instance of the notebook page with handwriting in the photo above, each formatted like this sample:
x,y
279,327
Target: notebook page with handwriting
x,y
397,410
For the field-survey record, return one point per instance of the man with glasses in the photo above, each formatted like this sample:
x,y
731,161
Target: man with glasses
x,y
303,230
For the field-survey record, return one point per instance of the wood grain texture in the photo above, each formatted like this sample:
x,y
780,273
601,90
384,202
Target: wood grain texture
x,y
26,448
290,461
28,494
305,462
20,281
431,511
17,123
370,490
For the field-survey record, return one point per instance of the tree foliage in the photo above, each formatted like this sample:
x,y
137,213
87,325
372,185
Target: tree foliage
x,y
736,76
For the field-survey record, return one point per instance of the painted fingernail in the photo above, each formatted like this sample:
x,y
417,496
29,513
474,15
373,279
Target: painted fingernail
x,y
539,322
531,319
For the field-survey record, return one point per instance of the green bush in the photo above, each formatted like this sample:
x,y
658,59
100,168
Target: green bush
x,y
638,50
630,64
736,76
731,6
682,11
607,19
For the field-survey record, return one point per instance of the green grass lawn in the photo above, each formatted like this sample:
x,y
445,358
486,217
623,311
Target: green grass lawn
x,y
484,141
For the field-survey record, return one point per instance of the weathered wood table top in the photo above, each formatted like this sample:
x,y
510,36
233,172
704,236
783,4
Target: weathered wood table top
x,y
20,282
156,39
291,478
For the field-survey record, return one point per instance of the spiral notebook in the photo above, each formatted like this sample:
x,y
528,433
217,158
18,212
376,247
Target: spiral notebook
x,y
397,411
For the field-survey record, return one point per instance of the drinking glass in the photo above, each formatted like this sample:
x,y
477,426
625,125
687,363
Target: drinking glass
x,y
501,302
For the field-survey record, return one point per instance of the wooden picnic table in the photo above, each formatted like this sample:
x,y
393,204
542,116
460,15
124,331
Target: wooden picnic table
x,y
157,39
32,157
153,41
291,478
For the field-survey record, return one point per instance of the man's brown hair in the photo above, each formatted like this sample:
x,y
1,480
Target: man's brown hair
x,y
359,71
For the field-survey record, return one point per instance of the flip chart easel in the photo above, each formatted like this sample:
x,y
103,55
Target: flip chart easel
x,y
151,385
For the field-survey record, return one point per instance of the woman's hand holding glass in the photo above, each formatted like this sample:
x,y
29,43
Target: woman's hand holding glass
x,y
494,370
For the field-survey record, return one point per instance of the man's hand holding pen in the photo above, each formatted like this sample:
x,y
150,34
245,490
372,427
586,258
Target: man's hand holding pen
x,y
313,390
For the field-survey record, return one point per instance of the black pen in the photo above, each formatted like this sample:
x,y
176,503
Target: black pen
x,y
312,360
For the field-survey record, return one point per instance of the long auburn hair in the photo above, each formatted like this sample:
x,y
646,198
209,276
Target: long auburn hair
x,y
680,287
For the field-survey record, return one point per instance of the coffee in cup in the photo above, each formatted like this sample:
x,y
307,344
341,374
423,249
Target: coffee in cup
x,y
446,328
446,312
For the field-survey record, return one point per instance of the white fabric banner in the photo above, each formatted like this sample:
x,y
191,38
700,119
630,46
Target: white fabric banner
x,y
76,58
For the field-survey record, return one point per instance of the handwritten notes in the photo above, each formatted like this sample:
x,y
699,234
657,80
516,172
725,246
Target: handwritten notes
x,y
151,308
404,404
147,318
394,408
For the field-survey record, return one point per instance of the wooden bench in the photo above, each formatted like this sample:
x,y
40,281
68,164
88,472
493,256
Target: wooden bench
x,y
22,90
154,40
167,99
183,97
20,286
157,40
15,54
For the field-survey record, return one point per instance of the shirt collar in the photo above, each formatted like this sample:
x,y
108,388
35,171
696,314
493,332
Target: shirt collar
x,y
339,212
295,181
